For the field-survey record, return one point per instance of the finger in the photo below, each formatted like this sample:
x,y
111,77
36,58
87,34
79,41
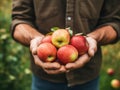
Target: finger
x,y
78,63
37,61
34,44
34,51
92,46
51,66
52,71
62,69
57,71
46,65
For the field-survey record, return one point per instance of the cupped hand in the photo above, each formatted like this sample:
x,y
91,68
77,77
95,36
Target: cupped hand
x,y
82,60
48,67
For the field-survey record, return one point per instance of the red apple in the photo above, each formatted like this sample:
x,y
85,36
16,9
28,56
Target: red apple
x,y
80,43
67,54
110,71
47,38
60,37
115,83
47,52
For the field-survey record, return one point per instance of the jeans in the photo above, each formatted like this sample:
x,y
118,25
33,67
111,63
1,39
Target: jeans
x,y
40,84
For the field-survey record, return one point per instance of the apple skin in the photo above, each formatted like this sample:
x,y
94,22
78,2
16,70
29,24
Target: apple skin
x,y
67,54
115,83
47,38
110,71
60,37
47,52
80,43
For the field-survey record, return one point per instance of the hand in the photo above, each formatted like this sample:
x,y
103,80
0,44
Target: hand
x,y
50,68
82,60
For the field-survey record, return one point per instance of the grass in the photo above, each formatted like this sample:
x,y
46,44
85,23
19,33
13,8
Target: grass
x,y
111,59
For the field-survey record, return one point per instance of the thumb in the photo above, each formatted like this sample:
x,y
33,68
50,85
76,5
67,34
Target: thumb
x,y
34,43
92,46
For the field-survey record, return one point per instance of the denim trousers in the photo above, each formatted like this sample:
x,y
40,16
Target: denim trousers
x,y
40,84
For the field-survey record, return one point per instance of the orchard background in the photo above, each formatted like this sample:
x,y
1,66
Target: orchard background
x,y
15,71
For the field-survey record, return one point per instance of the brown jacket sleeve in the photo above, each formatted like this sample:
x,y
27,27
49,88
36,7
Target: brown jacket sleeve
x,y
110,15
22,12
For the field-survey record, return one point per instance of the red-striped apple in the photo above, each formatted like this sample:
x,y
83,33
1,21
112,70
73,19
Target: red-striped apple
x,y
67,54
110,71
47,38
47,52
80,43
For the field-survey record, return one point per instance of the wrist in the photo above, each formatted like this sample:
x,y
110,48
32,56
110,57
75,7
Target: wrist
x,y
103,35
25,33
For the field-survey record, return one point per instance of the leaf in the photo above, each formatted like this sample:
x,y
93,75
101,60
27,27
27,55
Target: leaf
x,y
11,77
70,31
27,71
54,29
50,33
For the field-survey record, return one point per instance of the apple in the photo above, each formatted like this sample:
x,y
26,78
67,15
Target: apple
x,y
110,71
47,52
47,38
80,43
67,54
60,37
115,83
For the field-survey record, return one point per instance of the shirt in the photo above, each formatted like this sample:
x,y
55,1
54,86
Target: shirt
x,y
82,16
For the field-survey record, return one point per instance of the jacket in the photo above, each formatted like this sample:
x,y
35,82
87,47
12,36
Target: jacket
x,y
83,16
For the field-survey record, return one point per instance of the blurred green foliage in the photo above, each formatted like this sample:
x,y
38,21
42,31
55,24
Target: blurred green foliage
x,y
14,58
111,59
14,69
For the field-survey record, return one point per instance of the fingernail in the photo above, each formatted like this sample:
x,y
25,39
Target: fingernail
x,y
34,51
